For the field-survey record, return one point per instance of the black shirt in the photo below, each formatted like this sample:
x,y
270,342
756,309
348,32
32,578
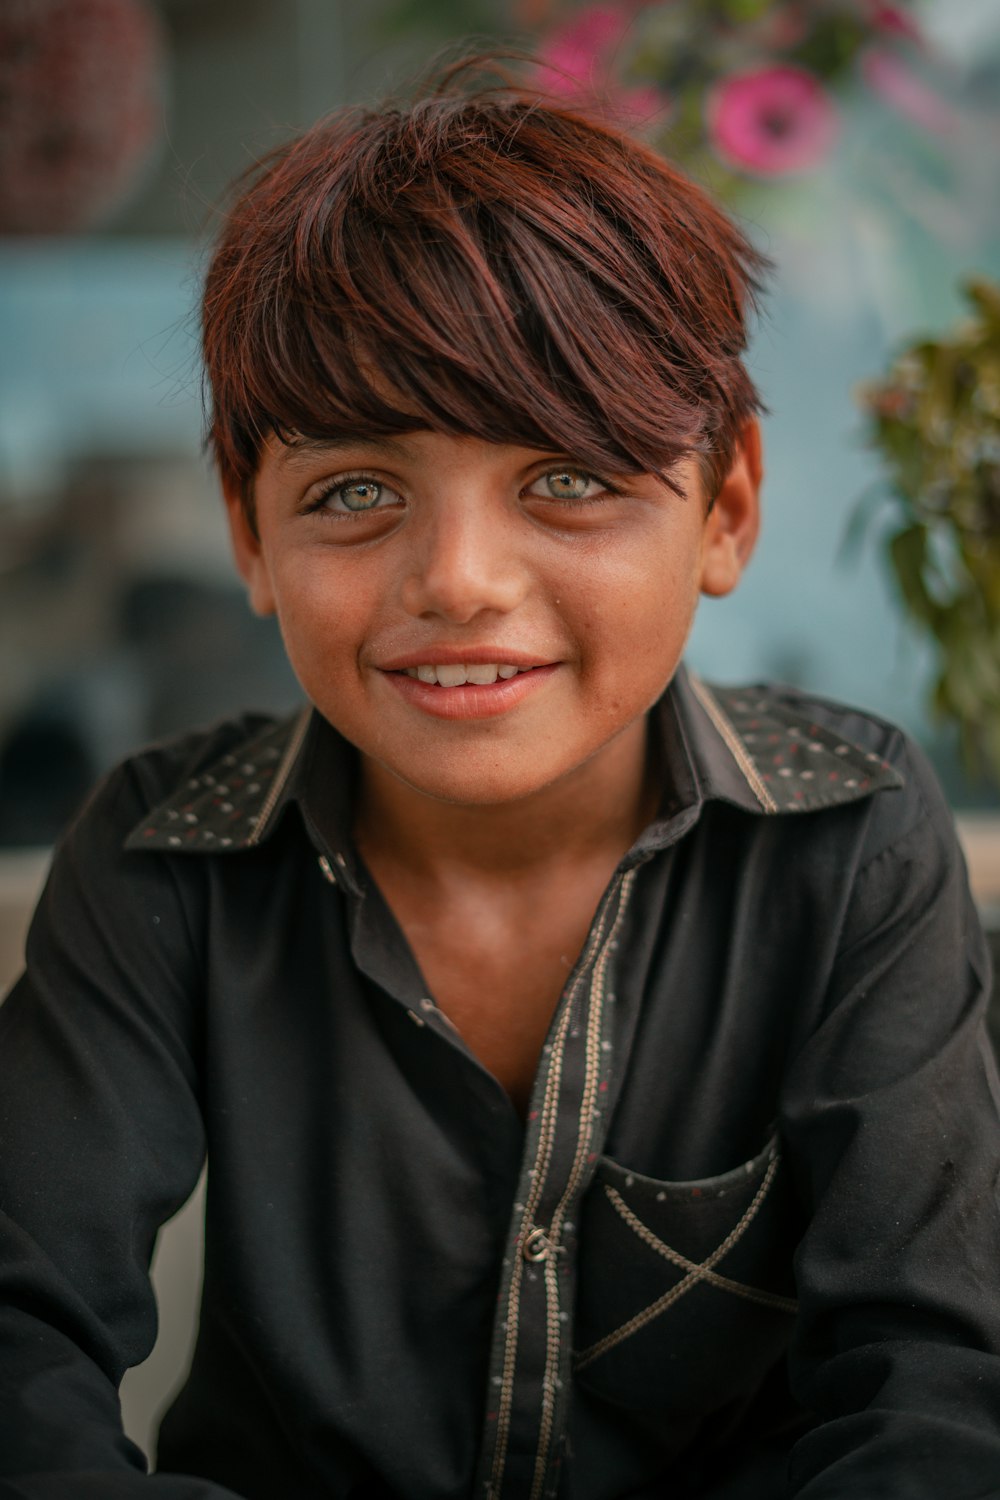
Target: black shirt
x,y
748,1230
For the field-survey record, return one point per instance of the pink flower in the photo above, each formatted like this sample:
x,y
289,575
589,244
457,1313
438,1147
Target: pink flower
x,y
890,77
894,20
771,121
577,61
576,57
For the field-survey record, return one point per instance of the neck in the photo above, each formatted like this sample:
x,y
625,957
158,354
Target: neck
x,y
596,812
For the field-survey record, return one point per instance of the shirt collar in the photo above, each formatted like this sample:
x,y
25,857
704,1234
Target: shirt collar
x,y
749,747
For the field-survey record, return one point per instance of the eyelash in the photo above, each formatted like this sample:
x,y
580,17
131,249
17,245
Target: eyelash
x,y
341,482
608,490
361,477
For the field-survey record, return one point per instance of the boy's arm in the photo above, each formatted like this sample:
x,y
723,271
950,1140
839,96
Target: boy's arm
x,y
891,1122
100,1141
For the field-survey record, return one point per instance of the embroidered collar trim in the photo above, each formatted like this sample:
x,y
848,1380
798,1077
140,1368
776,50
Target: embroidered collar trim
x,y
746,746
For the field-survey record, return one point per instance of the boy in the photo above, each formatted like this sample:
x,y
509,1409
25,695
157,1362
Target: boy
x,y
590,1063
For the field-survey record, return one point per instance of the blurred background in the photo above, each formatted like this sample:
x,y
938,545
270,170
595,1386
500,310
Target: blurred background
x,y
859,141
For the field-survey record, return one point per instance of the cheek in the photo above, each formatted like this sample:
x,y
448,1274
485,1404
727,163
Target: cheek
x,y
639,607
322,615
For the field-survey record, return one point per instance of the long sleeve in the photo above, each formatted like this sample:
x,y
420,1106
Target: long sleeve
x,y
891,1122
100,1141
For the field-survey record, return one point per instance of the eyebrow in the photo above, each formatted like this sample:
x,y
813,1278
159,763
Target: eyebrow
x,y
298,452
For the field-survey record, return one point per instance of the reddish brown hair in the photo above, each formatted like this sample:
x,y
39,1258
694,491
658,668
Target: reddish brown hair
x,y
489,265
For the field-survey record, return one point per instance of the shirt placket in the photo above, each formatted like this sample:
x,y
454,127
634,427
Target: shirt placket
x,y
567,1122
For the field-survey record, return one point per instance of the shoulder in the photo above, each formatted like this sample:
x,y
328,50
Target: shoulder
x,y
852,756
113,922
894,853
160,768
855,725
918,803
125,797
859,738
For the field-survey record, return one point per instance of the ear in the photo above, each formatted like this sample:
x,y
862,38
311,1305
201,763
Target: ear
x,y
734,520
249,556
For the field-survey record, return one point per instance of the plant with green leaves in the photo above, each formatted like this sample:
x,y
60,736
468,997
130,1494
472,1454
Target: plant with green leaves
x,y
935,420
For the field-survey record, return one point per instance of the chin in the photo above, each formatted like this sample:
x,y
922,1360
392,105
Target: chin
x,y
474,785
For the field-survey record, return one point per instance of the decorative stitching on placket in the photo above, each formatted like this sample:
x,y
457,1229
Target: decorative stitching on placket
x,y
546,1133
592,972
588,1110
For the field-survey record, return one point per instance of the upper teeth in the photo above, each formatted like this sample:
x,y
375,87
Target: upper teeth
x,y
453,675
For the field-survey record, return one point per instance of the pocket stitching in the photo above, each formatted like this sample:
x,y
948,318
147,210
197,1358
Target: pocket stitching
x,y
696,1272
708,1188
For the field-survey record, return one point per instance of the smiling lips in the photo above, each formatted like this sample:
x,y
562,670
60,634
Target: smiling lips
x,y
454,674
468,690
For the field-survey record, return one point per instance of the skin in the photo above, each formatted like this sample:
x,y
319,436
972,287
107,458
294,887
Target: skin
x,y
493,837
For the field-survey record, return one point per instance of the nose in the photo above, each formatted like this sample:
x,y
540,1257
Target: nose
x,y
464,561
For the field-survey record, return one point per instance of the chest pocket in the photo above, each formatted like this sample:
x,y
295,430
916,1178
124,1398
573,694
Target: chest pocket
x,y
685,1292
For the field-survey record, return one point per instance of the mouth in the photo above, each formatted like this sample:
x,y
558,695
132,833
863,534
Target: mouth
x,y
457,674
468,689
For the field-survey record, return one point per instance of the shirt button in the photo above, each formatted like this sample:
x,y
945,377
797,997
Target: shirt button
x,y
536,1247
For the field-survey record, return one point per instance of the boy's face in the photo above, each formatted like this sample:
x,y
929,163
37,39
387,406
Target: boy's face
x,y
425,550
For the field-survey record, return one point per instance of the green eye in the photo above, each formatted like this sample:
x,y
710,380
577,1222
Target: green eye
x,y
569,484
359,494
356,495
